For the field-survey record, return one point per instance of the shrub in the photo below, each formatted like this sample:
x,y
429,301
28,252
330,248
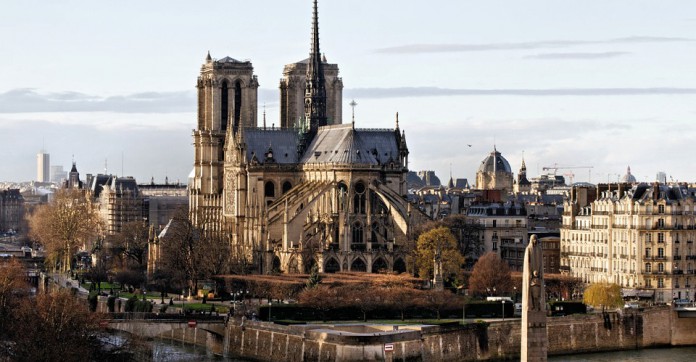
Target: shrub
x,y
130,304
111,303
93,300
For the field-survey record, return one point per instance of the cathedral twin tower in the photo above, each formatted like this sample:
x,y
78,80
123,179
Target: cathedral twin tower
x,y
281,195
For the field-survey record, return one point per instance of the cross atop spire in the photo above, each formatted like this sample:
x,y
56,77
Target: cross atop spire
x,y
315,91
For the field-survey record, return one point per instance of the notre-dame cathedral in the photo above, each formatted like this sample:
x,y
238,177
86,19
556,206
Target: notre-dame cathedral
x,y
312,191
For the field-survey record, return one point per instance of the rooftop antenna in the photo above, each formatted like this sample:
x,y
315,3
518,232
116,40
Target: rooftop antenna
x,y
352,105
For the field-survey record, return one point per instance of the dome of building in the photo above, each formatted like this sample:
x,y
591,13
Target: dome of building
x,y
495,162
628,177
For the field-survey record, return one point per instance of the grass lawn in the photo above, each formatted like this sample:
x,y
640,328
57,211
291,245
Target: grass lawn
x,y
105,286
200,307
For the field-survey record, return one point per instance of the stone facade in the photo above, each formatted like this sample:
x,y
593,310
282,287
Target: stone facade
x,y
292,92
288,198
638,236
504,231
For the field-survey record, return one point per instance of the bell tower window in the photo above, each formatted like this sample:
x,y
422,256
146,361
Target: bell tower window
x,y
224,106
237,103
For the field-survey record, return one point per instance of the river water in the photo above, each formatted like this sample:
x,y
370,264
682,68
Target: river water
x,y
672,354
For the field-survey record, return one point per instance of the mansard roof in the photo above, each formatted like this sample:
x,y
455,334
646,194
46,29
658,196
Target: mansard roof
x,y
346,145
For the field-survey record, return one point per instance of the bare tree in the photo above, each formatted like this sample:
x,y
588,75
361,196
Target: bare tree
x,y
132,242
439,300
402,298
64,225
192,254
12,282
490,273
53,327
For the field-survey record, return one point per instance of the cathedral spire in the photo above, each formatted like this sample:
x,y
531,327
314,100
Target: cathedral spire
x,y
315,90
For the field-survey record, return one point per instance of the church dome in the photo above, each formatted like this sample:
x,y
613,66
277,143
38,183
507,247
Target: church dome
x,y
495,162
628,177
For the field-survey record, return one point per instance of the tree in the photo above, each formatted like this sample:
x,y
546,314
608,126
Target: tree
x,y
606,295
362,296
490,273
322,298
314,277
402,298
54,327
468,235
432,241
190,254
64,225
439,300
12,283
132,242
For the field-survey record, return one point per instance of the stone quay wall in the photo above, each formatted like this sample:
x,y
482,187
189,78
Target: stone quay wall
x,y
479,341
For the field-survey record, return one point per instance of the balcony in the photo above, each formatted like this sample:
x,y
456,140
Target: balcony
x,y
691,257
677,257
678,272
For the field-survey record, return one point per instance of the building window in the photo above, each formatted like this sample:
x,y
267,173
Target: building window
x,y
495,245
661,209
660,267
661,223
269,189
359,198
660,252
648,238
647,252
648,267
494,223
660,237
357,233
660,282
224,106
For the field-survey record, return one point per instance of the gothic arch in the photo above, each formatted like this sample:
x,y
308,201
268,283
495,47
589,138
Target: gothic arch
x,y
276,265
379,265
287,186
269,189
399,265
332,266
309,264
358,265
293,268
357,233
359,197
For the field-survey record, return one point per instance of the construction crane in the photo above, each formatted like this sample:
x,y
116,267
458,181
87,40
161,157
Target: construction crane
x,y
556,167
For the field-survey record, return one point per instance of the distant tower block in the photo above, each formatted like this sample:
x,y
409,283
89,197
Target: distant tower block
x,y
43,166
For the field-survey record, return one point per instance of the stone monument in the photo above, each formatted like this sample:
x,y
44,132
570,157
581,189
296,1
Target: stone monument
x,y
534,343
438,281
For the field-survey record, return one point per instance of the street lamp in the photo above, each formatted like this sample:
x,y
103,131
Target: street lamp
x,y
503,304
269,310
514,297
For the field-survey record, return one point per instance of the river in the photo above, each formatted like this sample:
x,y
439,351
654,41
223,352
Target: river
x,y
672,354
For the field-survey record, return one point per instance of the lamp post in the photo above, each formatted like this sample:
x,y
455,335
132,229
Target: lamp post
x,y
269,310
514,297
503,304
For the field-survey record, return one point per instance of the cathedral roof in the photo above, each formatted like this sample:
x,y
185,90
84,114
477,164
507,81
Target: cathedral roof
x,y
495,162
283,141
346,145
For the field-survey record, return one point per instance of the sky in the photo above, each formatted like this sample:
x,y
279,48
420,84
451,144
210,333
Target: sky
x,y
601,83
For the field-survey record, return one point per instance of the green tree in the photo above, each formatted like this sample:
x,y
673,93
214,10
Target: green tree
x,y
606,295
490,273
314,277
65,225
429,243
